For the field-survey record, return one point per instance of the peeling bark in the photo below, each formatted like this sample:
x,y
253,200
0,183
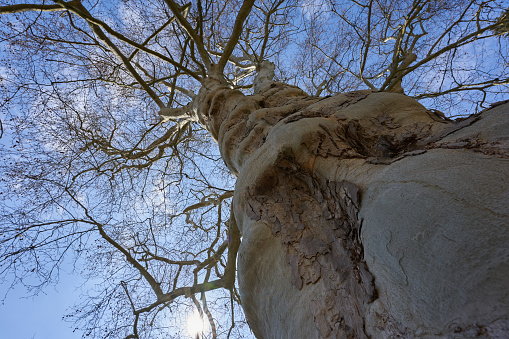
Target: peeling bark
x,y
316,220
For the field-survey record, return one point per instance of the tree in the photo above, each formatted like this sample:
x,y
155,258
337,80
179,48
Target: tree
x,y
361,212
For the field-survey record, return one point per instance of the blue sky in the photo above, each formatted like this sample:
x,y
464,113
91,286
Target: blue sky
x,y
39,317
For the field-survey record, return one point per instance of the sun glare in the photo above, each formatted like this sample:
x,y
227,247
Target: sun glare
x,y
196,324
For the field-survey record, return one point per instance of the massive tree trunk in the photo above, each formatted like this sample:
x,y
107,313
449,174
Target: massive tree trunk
x,y
365,214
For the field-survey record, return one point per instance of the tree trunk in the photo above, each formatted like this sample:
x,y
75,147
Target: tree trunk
x,y
365,215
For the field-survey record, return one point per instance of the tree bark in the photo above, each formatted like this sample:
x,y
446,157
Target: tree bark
x,y
365,214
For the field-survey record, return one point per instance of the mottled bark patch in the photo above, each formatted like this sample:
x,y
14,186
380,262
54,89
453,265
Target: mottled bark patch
x,y
317,222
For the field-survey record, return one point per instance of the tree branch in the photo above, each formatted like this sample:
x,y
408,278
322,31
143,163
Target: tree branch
x,y
30,7
125,61
146,275
467,87
244,11
184,112
233,248
183,291
191,32
85,15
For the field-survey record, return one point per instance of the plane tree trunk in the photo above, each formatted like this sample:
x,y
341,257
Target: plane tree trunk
x,y
365,214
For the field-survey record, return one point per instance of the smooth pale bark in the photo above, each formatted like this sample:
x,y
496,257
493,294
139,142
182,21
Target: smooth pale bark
x,y
364,214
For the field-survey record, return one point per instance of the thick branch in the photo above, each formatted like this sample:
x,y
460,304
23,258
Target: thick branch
x,y
125,61
191,32
182,291
227,281
233,248
367,42
209,201
213,259
244,11
395,85
184,112
30,7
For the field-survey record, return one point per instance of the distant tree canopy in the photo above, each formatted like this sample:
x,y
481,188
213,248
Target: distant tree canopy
x,y
105,170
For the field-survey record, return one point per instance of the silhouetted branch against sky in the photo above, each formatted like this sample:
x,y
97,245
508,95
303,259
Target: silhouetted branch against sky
x,y
90,173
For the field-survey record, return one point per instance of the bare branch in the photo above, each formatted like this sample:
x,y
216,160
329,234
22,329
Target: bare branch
x,y
242,14
83,13
209,201
481,86
125,61
176,9
185,10
209,316
185,112
148,277
30,7
183,291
